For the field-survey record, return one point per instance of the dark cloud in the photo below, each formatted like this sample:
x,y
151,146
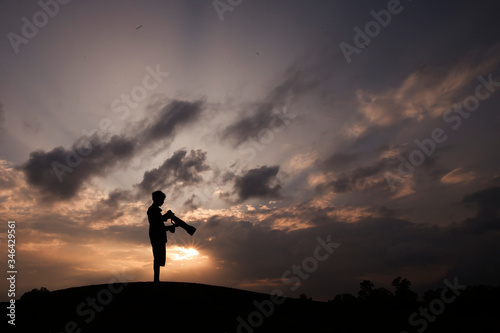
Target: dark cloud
x,y
361,173
171,118
378,249
348,181
180,170
60,173
258,183
116,196
340,161
341,185
263,115
249,126
488,206
386,212
192,203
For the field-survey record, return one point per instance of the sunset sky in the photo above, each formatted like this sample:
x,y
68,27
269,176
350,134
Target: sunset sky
x,y
374,124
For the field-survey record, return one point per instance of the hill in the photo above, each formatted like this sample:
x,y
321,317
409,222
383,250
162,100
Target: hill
x,y
189,307
167,306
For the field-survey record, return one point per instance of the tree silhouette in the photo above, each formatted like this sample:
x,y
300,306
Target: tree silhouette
x,y
366,288
368,293
431,295
403,295
401,284
381,296
34,294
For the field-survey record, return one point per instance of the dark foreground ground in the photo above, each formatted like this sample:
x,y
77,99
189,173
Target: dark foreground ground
x,y
188,307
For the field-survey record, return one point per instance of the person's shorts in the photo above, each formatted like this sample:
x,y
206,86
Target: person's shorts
x,y
159,253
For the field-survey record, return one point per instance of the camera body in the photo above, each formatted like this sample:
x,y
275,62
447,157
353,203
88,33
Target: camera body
x,y
180,223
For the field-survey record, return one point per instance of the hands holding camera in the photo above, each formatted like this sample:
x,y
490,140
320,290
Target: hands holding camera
x,y
177,222
170,215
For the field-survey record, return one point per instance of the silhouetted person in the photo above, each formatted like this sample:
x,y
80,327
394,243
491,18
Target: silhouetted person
x,y
158,232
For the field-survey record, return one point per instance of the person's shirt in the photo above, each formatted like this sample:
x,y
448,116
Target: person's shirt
x,y
156,226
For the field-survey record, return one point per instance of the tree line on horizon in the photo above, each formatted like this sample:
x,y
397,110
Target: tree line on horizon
x,y
403,296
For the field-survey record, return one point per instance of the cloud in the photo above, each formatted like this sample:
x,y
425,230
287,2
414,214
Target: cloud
x,y
262,115
251,246
60,173
258,183
115,197
341,185
8,176
360,178
192,203
180,170
340,160
427,92
488,206
382,248
40,168
303,161
170,119
458,176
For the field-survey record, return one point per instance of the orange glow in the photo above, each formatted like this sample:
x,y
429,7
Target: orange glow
x,y
183,253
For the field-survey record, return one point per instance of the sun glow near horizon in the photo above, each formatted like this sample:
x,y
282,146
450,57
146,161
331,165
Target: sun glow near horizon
x,y
183,253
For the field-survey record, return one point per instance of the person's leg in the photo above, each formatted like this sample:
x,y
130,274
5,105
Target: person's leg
x,y
156,264
159,255
156,269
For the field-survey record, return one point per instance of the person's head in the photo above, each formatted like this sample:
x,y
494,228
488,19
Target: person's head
x,y
158,197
